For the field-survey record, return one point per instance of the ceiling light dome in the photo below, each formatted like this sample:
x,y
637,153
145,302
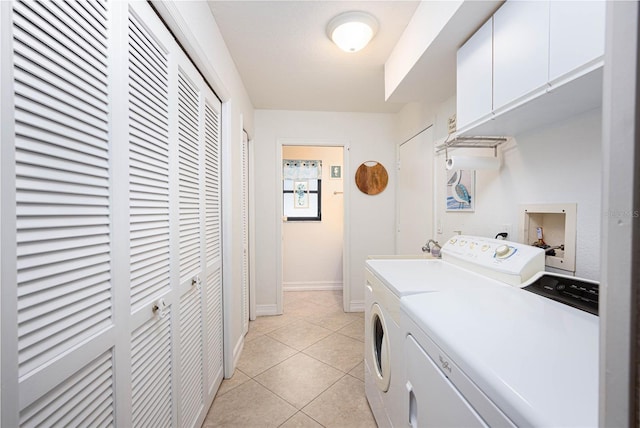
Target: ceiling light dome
x,y
352,31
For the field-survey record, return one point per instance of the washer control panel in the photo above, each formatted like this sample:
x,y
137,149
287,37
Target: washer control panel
x,y
485,255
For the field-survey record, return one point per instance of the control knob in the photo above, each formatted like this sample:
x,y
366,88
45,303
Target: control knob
x,y
502,251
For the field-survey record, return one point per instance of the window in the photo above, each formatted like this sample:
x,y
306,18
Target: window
x,y
302,190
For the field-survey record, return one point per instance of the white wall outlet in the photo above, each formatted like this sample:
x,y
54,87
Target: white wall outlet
x,y
506,228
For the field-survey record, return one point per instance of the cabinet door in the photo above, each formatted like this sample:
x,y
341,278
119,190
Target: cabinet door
x,y
520,49
475,77
576,35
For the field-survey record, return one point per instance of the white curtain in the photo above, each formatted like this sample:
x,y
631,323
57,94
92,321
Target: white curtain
x,y
296,169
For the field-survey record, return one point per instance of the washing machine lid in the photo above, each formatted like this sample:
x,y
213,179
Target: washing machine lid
x,y
410,276
535,358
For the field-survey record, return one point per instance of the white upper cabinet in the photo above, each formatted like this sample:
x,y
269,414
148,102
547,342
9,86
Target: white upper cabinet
x,y
576,35
475,77
520,50
547,65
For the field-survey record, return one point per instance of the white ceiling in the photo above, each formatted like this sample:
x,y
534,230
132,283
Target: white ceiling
x,y
287,62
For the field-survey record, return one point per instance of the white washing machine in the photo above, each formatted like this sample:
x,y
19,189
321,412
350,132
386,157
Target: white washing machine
x,y
389,280
503,356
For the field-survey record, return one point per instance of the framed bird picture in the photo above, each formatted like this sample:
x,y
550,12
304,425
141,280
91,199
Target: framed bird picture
x,y
461,190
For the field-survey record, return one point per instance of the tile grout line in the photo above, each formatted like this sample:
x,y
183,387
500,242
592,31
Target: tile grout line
x,y
315,311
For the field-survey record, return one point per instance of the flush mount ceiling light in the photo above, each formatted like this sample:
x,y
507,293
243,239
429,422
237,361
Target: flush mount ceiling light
x,y
352,31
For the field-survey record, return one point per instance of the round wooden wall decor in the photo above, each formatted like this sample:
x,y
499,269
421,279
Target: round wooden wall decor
x,y
371,177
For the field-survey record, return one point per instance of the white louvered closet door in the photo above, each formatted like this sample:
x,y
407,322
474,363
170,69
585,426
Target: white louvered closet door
x,y
111,255
174,348
213,249
61,292
190,346
199,235
153,398
245,232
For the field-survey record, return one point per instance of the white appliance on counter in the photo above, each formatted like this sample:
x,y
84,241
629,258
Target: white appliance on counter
x,y
503,356
467,263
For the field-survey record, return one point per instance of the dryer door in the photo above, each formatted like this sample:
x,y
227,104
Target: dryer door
x,y
379,348
432,399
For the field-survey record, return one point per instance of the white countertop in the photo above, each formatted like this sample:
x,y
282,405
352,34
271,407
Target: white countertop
x,y
535,358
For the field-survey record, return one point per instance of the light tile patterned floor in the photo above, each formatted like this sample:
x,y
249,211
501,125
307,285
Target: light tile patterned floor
x,y
300,369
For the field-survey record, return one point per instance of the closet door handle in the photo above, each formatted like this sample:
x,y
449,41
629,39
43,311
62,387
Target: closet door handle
x,y
195,282
160,308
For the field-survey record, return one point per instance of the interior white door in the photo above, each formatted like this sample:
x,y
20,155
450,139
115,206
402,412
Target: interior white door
x,y
415,193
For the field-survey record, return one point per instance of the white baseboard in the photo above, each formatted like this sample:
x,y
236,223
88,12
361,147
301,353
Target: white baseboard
x,y
312,286
262,310
356,306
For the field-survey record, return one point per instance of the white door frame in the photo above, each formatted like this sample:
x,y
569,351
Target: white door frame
x,y
346,248
619,397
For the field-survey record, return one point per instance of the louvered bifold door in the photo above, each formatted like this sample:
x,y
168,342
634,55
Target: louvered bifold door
x,y
245,233
64,365
212,288
190,230
111,297
151,297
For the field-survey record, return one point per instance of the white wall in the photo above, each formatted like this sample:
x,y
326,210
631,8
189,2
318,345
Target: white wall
x,y
558,164
312,250
195,28
369,220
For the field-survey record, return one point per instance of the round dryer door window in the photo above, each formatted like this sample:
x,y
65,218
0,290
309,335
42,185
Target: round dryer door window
x,y
380,349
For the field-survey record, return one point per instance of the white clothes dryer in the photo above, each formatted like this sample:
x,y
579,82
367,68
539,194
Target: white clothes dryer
x,y
503,356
